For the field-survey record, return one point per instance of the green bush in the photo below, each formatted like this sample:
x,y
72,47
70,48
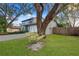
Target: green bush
x,y
3,23
32,35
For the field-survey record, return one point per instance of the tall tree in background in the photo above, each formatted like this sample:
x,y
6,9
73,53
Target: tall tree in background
x,y
18,10
69,15
2,24
11,11
41,26
73,13
3,14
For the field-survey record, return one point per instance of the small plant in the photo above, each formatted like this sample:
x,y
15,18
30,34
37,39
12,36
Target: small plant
x,y
32,35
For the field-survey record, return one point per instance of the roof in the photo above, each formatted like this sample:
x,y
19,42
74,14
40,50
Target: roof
x,y
14,27
31,19
28,19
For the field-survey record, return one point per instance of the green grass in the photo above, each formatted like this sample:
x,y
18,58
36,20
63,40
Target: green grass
x,y
55,45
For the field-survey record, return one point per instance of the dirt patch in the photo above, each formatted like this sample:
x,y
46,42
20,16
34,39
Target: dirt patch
x,y
36,46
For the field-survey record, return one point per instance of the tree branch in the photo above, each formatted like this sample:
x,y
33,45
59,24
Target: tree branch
x,y
54,11
14,19
2,10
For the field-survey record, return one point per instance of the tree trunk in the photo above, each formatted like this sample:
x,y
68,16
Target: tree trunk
x,y
41,26
39,17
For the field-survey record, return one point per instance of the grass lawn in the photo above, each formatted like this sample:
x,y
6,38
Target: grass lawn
x,y
55,45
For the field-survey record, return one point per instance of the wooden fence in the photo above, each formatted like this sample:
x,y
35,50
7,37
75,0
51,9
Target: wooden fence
x,y
66,31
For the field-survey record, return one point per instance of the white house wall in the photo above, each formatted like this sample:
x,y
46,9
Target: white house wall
x,y
49,29
32,28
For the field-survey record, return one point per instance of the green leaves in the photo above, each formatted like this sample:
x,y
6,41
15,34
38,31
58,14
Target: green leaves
x,y
3,23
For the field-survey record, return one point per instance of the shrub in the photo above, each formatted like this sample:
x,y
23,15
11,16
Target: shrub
x,y
33,36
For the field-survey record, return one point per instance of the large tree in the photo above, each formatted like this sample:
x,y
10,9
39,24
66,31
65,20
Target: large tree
x,y
41,26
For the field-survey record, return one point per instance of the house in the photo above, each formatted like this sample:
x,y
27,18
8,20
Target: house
x,y
13,29
29,25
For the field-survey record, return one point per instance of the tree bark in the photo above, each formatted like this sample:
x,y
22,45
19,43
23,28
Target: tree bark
x,y
54,11
39,17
